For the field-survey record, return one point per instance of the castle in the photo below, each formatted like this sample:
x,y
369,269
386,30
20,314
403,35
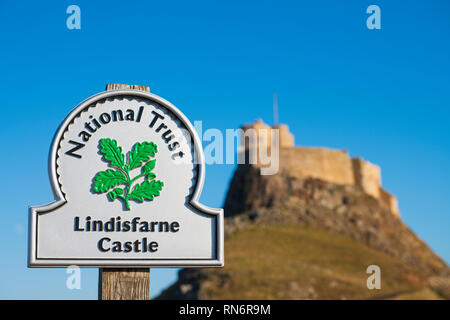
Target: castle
x,y
335,166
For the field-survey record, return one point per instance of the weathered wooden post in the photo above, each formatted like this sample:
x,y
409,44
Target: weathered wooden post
x,y
127,170
124,284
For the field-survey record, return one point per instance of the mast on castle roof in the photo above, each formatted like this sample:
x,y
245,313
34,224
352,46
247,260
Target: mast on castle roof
x,y
275,109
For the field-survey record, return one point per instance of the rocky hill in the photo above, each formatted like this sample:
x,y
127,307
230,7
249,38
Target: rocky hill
x,y
293,238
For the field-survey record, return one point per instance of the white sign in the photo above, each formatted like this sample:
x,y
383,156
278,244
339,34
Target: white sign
x,y
127,170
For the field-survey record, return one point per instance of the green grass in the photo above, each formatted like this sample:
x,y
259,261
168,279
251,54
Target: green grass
x,y
291,262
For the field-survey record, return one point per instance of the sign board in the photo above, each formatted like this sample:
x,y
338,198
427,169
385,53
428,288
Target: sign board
x,y
127,170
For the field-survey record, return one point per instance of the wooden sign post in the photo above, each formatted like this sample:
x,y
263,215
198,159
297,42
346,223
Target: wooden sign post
x,y
124,283
127,170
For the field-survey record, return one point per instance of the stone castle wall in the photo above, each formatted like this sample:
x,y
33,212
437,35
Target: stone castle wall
x,y
327,164
367,176
389,200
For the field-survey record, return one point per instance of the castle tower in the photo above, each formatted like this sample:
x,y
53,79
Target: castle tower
x,y
259,133
255,134
330,165
367,176
286,137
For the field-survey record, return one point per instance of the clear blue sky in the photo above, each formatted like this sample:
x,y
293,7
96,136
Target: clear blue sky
x,y
380,94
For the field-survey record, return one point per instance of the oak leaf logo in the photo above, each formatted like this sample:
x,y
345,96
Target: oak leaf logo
x,y
139,156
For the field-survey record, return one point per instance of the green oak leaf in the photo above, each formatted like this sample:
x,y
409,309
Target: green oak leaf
x,y
105,180
149,166
116,192
109,180
147,190
141,152
112,152
112,195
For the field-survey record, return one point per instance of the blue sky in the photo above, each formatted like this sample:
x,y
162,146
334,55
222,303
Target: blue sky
x,y
383,95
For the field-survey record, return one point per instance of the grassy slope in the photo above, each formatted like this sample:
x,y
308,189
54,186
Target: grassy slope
x,y
290,262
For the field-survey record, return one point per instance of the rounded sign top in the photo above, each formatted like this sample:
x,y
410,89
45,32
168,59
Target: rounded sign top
x,y
127,170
